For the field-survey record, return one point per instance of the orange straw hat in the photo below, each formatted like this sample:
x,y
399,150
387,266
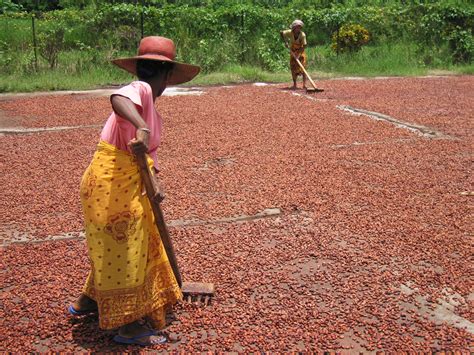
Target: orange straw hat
x,y
161,49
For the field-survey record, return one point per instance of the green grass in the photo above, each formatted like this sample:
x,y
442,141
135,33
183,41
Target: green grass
x,y
396,60
465,69
77,70
468,69
90,68
81,70
232,74
48,81
55,80
16,32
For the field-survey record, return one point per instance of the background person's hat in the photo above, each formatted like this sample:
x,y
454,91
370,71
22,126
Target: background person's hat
x,y
297,23
161,49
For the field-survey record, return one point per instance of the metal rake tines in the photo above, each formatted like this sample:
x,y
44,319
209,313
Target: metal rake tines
x,y
200,293
199,300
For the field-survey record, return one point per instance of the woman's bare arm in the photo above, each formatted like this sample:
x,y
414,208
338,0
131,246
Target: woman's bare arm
x,y
125,108
284,39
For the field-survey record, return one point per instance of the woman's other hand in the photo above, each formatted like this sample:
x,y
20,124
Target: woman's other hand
x,y
283,38
159,193
159,197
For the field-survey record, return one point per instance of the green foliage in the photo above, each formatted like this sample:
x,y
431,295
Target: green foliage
x,y
449,24
350,38
78,4
461,45
62,30
7,6
38,5
79,36
234,34
5,57
50,43
16,55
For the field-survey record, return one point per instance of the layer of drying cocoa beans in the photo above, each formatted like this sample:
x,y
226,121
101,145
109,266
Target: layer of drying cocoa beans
x,y
368,246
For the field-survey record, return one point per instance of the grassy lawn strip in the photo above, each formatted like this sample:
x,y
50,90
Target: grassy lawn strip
x,y
393,60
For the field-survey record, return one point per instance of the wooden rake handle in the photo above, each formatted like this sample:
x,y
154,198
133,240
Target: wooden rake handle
x,y
304,70
145,173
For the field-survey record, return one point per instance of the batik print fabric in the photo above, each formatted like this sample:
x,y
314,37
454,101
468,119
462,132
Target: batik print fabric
x,y
130,273
295,68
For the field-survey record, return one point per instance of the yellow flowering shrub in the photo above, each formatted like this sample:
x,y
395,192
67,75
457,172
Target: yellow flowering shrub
x,y
350,38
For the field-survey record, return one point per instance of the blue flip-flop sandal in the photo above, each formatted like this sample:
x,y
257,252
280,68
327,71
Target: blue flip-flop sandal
x,y
135,340
76,313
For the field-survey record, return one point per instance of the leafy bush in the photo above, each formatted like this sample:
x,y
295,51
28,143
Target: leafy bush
x,y
214,33
448,24
461,44
9,6
350,38
77,26
50,43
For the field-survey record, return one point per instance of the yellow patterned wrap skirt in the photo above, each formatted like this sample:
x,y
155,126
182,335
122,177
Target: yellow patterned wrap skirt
x,y
130,276
295,68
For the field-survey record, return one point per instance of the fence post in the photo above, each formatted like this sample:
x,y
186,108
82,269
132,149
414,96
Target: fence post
x,y
141,17
34,40
242,37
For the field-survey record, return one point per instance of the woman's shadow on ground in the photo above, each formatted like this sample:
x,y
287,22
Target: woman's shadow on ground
x,y
87,335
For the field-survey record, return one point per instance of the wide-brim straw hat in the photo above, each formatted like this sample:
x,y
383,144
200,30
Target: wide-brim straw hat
x,y
161,49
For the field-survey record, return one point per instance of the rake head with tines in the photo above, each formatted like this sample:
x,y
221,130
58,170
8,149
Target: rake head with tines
x,y
200,293
313,90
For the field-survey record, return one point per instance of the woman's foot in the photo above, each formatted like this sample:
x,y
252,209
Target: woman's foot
x,y
83,305
135,333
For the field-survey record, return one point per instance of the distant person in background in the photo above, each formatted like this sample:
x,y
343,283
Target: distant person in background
x,y
295,40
